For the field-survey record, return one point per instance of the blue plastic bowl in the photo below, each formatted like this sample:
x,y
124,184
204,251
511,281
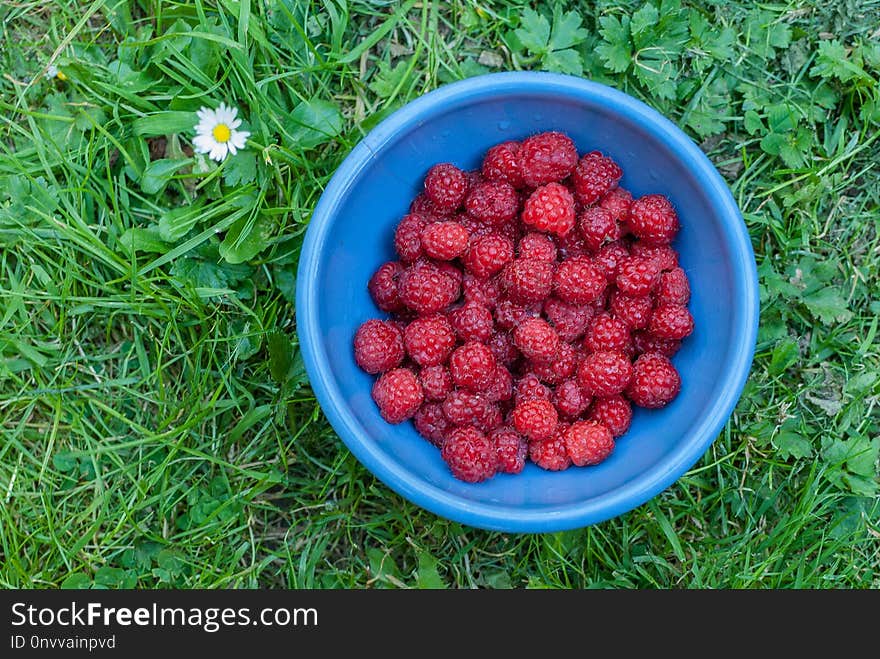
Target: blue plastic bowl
x,y
350,235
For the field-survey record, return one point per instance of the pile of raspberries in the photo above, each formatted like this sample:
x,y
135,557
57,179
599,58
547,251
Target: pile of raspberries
x,y
533,303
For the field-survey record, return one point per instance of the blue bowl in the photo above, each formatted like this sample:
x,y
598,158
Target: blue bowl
x,y
350,235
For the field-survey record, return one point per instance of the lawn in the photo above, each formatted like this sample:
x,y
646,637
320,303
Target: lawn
x,y
156,426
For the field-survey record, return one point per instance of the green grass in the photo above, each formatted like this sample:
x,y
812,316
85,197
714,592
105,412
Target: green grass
x,y
156,427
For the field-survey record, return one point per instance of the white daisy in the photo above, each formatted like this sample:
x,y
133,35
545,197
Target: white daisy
x,y
216,134
54,72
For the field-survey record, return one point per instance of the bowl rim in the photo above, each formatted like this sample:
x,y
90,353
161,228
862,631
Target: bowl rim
x,y
499,517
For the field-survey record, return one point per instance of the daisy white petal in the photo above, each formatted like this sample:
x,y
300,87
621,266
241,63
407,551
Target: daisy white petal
x,y
231,146
235,124
203,143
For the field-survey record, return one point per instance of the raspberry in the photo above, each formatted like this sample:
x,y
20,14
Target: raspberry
x,y
604,373
500,387
670,321
536,418
444,241
569,320
550,208
445,186
609,257
653,219
638,275
674,288
607,333
529,386
572,245
429,340
551,454
436,382
664,255
431,423
617,202
528,280
491,419
383,287
559,368
488,254
578,281
536,246
378,346
537,340
598,226
635,312
448,269
472,179
570,399
511,450
408,237
461,408
594,176
614,412
472,321
481,291
588,443
645,342
472,366
655,381
547,158
421,205
398,395
509,314
469,454
502,164
492,202
426,289
502,346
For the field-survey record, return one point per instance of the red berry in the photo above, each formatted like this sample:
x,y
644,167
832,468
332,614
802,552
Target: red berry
x,y
422,205
491,419
664,255
536,246
500,387
502,164
653,219
588,443
635,312
469,454
378,346
670,321
462,407
594,176
383,287
569,320
481,291
655,382
444,241
607,333
528,280
408,237
644,342
529,386
472,321
536,418
425,288
557,369
431,423
570,399
472,366
674,288
429,340
436,382
492,202
511,449
638,275
502,346
551,454
572,245
609,257
617,202
614,412
547,158
446,185
509,314
604,373
398,395
598,226
488,254
537,340
578,281
550,208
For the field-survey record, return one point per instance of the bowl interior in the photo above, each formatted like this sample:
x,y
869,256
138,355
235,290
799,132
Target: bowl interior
x,y
360,219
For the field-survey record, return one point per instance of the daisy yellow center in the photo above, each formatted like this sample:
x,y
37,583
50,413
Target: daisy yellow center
x,y
221,133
